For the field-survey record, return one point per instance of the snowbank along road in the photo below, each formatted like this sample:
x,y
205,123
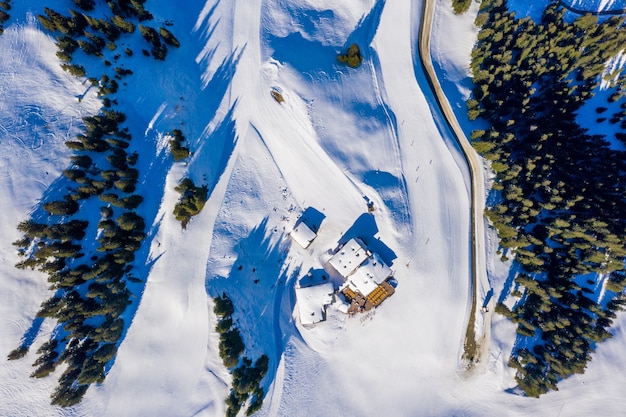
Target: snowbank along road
x,y
476,344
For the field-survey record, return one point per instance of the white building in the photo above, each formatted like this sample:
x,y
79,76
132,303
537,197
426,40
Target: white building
x,y
350,257
312,302
303,234
369,275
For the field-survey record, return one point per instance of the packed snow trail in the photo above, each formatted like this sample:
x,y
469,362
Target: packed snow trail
x,y
476,346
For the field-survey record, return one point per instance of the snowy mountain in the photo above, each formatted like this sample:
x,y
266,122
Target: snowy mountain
x,y
341,140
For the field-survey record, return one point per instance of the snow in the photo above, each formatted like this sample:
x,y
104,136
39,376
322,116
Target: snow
x,y
349,258
302,234
369,275
341,139
312,302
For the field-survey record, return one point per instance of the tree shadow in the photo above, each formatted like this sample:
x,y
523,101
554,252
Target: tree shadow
x,y
508,283
260,286
365,30
211,159
31,333
217,86
318,58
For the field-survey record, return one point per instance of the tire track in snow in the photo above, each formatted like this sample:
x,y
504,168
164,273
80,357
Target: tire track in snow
x,y
476,346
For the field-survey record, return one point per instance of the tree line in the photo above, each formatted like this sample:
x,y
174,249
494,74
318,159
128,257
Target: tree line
x,y
246,385
5,6
561,207
90,266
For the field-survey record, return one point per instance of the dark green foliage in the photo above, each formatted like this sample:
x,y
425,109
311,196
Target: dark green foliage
x,y
223,306
61,208
131,221
234,403
4,16
17,353
562,210
74,229
179,152
246,377
132,159
118,143
67,45
461,6
131,202
123,71
257,401
75,70
352,57
168,37
125,185
83,161
117,159
230,346
122,24
68,395
159,52
91,295
224,324
74,174
191,201
150,35
130,8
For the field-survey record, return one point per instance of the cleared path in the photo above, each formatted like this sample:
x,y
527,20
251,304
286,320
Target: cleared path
x,y
476,344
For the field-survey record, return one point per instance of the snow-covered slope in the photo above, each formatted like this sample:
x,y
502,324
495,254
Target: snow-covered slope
x,y
341,138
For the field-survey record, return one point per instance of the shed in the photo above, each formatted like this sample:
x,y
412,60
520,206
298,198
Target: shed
x,y
303,234
312,302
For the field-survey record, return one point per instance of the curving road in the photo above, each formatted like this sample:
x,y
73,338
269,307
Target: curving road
x,y
475,346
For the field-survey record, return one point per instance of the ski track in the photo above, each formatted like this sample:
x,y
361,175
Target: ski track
x,y
337,137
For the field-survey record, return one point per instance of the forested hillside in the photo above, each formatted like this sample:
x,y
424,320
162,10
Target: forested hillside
x,y
559,190
90,264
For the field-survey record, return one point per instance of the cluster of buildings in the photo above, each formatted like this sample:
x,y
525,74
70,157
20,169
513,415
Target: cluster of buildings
x,y
367,280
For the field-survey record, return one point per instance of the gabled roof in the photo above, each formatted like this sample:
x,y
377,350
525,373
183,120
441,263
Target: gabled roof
x,y
312,302
303,234
349,258
372,273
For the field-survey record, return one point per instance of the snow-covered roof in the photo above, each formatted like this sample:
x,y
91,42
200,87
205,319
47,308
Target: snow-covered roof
x,y
303,234
349,257
312,302
369,275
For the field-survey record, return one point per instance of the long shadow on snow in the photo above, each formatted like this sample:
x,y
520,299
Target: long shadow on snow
x,y
256,284
214,153
428,90
221,140
312,217
206,29
365,228
318,59
365,30
151,186
224,136
320,62
218,85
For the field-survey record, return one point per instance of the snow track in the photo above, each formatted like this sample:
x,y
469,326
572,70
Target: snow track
x,y
341,136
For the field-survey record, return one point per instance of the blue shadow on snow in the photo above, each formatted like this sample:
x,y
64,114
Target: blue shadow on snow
x,y
365,228
257,284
